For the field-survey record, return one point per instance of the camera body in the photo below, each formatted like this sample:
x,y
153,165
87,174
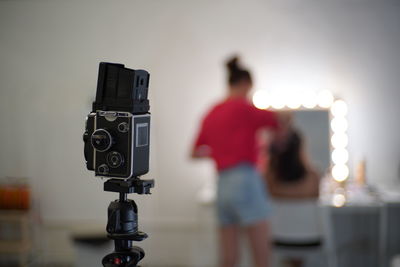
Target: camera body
x,y
117,133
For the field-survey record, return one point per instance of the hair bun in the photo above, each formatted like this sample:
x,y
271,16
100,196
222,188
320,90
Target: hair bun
x,y
233,64
236,73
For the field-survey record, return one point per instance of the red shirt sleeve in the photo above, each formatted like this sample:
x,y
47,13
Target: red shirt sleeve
x,y
265,118
201,137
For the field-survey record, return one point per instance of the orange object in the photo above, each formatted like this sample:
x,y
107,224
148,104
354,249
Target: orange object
x,y
14,197
25,198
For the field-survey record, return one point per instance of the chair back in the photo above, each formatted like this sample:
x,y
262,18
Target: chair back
x,y
296,221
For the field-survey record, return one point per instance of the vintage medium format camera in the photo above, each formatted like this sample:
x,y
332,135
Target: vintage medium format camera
x,y
118,128
117,140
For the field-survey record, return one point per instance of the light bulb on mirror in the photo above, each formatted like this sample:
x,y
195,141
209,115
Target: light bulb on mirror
x,y
294,102
260,99
340,156
339,125
340,172
339,108
278,102
325,99
309,100
339,140
338,200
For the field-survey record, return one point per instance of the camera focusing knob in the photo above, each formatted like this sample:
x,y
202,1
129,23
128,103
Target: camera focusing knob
x,y
123,127
103,169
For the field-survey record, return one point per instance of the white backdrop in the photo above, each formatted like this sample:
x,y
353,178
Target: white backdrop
x,y
49,55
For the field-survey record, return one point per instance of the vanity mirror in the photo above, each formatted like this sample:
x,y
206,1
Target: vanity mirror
x,y
321,120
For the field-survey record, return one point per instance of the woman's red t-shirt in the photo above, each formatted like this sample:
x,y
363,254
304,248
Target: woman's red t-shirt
x,y
229,130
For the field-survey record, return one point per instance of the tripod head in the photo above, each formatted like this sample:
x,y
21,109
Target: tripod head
x,y
132,185
122,224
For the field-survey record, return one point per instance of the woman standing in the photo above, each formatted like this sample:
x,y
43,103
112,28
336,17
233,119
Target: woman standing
x,y
228,136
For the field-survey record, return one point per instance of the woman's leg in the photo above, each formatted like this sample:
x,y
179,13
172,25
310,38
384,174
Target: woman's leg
x,y
259,237
229,245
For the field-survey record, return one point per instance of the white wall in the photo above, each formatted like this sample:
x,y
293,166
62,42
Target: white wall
x,y
49,54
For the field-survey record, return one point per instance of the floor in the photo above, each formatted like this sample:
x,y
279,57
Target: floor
x,y
170,246
179,248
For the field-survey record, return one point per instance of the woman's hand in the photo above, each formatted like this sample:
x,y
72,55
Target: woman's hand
x,y
201,152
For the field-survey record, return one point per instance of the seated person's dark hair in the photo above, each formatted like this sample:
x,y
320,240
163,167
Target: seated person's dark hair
x,y
285,161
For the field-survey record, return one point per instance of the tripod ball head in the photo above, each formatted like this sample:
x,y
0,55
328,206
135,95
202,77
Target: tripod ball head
x,y
128,258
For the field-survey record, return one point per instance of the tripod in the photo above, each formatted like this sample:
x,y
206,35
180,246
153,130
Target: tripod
x,y
122,224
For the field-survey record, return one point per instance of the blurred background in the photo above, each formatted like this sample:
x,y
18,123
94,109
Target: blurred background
x,y
49,55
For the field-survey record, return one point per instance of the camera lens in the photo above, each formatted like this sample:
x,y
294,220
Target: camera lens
x,y
115,159
101,140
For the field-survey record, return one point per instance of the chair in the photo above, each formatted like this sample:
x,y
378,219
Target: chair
x,y
297,231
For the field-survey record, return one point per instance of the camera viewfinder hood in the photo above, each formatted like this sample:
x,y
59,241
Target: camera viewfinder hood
x,y
122,89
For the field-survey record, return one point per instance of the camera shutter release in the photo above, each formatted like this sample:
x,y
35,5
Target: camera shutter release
x,y
101,140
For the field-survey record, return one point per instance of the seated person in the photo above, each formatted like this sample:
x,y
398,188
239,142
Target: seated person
x,y
294,186
289,173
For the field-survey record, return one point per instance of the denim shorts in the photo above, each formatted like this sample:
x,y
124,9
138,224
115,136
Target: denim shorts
x,y
241,197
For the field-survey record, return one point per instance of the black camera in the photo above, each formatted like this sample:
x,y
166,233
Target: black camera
x,y
117,132
116,138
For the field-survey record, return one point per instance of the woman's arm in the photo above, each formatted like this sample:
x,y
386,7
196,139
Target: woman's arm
x,y
200,148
